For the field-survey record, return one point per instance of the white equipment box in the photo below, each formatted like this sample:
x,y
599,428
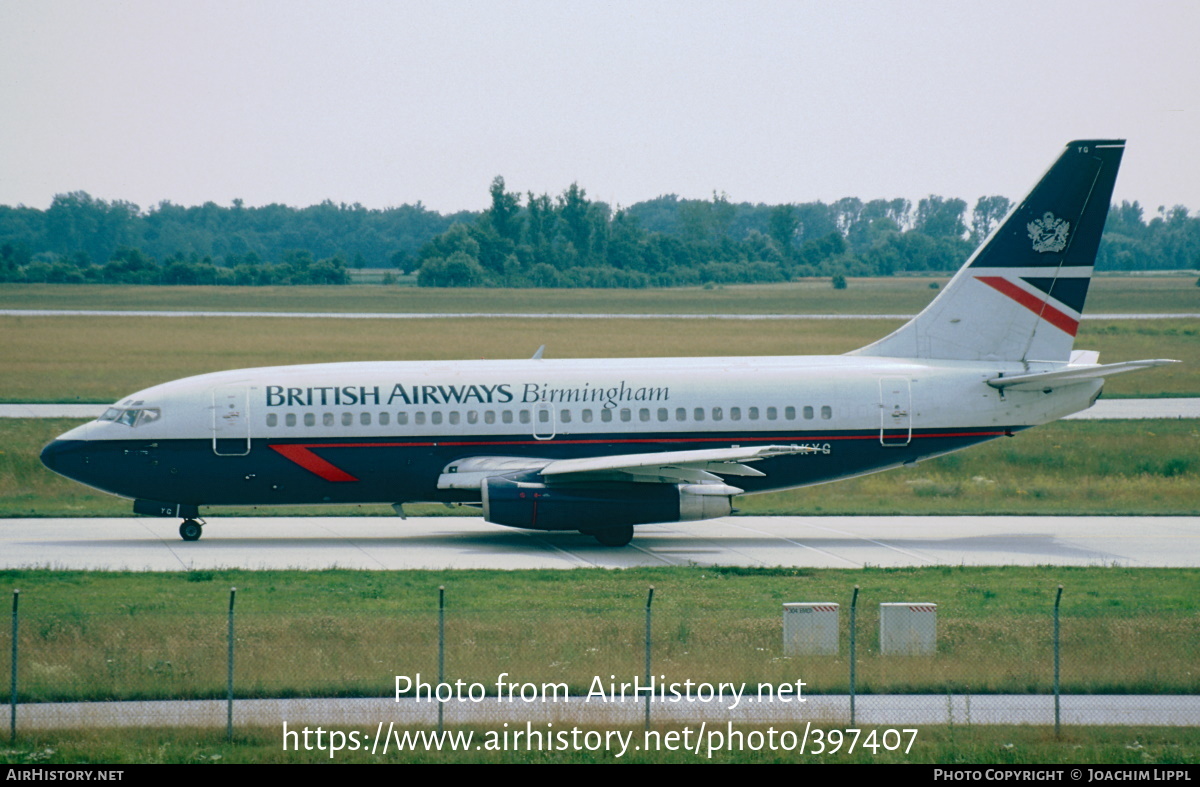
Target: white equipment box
x,y
908,629
810,629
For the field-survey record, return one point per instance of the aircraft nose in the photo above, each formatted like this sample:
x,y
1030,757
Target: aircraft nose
x,y
57,455
52,454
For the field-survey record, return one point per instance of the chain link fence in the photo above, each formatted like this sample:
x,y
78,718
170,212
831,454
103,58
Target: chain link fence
x,y
662,658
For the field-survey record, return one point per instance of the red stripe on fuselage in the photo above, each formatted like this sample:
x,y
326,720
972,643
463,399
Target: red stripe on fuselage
x,y
1064,322
301,453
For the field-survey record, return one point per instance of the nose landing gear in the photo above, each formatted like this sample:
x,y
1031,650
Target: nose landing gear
x,y
191,529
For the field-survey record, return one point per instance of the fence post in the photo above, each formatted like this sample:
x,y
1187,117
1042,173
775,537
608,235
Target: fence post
x,y
229,673
1057,709
12,696
853,642
649,601
441,650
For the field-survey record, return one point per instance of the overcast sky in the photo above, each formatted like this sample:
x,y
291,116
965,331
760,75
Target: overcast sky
x,y
386,103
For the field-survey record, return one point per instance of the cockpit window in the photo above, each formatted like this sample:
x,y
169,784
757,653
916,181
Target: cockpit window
x,y
132,416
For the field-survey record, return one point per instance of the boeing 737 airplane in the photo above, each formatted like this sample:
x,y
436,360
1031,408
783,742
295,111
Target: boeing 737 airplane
x,y
599,446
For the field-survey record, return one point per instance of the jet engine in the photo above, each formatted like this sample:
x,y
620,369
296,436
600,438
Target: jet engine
x,y
600,506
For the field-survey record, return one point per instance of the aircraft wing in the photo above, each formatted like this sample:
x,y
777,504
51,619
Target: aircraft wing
x,y
703,466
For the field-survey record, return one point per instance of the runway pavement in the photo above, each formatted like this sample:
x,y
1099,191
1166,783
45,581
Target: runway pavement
x,y
386,543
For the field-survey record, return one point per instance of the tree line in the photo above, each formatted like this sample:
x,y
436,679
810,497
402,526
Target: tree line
x,y
531,240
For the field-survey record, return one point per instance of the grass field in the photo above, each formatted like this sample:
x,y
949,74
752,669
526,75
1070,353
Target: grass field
x,y
115,635
1070,467
891,295
101,359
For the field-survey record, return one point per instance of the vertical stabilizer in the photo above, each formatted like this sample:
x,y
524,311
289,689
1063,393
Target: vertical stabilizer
x,y
1020,296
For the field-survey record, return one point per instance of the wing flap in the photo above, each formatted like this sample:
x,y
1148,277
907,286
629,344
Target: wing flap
x,y
729,461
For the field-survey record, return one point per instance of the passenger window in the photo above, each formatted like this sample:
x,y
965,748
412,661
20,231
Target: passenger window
x,y
808,413
626,414
789,413
698,414
663,414
310,419
643,414
753,413
347,419
419,418
290,419
272,419
454,416
587,415
680,414
472,417
435,417
525,417
735,413
826,412
717,415
565,416
384,419
327,419
364,419
606,415
506,416
402,419
543,416
489,416
772,414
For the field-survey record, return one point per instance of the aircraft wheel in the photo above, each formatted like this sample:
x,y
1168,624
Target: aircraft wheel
x,y
614,536
190,530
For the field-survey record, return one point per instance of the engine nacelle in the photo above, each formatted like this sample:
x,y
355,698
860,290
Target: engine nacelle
x,y
605,505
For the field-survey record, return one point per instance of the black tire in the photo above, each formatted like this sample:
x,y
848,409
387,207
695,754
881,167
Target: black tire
x,y
614,536
190,530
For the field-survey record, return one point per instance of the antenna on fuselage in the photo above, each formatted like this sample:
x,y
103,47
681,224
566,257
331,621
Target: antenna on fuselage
x,y
537,356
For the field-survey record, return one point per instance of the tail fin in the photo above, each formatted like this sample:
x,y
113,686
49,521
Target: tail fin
x,y
1020,295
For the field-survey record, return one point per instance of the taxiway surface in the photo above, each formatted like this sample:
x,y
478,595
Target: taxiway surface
x,y
385,543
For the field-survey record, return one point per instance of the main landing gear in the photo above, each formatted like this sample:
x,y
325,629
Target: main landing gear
x,y
612,536
190,530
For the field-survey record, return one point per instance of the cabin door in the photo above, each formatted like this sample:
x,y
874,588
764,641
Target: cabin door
x,y
544,425
231,421
895,411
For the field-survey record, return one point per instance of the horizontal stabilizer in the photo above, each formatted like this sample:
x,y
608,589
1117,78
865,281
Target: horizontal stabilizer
x,y
1071,374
